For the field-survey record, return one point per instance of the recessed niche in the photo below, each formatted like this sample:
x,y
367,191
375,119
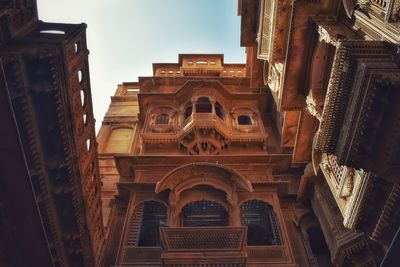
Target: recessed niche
x,y
132,90
244,120
53,32
80,76
82,93
76,48
88,144
85,119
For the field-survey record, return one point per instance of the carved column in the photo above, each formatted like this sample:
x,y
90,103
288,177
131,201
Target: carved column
x,y
193,100
173,216
213,106
234,211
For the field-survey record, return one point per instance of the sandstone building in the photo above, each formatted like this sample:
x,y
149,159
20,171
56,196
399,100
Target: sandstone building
x,y
287,160
48,144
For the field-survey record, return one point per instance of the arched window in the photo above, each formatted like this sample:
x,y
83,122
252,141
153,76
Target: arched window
x,y
261,222
203,105
204,213
219,111
153,216
162,119
188,110
244,120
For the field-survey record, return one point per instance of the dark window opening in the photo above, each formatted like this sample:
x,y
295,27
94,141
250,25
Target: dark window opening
x,y
319,247
219,111
261,222
317,240
188,110
154,216
203,105
162,119
244,120
204,213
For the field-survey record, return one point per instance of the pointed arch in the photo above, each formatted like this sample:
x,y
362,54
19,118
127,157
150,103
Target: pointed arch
x,y
216,175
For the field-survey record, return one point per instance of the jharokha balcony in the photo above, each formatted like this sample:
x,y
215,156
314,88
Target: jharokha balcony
x,y
188,246
204,237
206,245
204,125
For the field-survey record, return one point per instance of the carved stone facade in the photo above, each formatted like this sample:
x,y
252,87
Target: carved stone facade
x,y
287,160
341,66
46,76
203,169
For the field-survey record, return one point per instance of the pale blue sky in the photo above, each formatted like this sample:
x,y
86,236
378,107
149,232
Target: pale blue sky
x,y
126,36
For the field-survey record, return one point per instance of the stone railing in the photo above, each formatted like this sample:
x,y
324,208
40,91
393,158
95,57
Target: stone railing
x,y
204,238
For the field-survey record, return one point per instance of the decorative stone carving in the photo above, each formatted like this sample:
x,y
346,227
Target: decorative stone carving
x,y
251,127
361,181
189,244
349,56
166,126
275,77
330,35
388,213
218,176
395,11
313,108
61,152
346,183
204,141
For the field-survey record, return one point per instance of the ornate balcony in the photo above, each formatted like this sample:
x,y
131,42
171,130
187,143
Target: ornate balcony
x,y
204,133
208,245
362,93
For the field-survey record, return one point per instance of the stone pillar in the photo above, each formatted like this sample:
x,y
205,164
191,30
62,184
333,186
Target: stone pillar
x,y
213,106
173,216
193,100
234,210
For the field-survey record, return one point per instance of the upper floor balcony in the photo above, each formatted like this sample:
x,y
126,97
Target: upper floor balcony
x,y
208,245
203,126
205,231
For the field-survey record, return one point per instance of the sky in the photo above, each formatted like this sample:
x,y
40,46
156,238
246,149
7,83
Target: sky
x,y
125,37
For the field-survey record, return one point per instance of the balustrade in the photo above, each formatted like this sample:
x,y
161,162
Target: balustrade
x,y
204,238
